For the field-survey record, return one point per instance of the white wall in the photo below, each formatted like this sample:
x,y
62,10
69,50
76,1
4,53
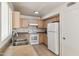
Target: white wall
x,y
55,11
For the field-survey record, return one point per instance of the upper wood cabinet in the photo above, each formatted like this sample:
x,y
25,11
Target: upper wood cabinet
x,y
16,19
55,19
45,24
24,23
40,24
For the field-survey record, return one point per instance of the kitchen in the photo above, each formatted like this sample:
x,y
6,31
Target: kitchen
x,y
36,27
29,29
39,28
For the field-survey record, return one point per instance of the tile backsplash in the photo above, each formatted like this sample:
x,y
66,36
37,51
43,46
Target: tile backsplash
x,y
27,29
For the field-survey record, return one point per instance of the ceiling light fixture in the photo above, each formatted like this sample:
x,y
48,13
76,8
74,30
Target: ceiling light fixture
x,y
36,12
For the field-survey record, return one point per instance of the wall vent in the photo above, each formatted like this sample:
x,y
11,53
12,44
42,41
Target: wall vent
x,y
70,4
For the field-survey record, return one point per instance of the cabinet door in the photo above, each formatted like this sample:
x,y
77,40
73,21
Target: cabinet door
x,y
45,24
40,24
24,23
16,19
55,19
41,37
45,39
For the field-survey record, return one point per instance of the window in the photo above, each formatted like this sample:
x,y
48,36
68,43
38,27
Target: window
x,y
10,21
6,20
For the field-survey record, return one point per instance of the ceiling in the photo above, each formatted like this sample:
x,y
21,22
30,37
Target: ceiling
x,y
28,8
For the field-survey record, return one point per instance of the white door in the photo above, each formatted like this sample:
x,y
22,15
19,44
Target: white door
x,y
70,31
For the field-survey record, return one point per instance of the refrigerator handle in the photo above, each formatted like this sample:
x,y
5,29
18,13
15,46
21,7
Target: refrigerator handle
x,y
64,38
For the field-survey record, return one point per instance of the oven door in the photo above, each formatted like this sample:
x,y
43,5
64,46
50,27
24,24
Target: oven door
x,y
34,39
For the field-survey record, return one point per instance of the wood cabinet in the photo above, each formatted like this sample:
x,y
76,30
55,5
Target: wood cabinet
x,y
40,24
45,24
45,39
16,19
55,19
41,38
24,23
50,20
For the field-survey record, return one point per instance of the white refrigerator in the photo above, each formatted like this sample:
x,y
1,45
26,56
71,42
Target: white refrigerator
x,y
53,37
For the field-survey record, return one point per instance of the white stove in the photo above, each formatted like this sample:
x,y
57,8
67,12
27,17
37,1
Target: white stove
x,y
34,38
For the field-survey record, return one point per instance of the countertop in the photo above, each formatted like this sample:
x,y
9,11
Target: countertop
x,y
25,30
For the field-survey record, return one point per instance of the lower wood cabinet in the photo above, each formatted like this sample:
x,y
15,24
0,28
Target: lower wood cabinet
x,y
43,38
45,24
40,24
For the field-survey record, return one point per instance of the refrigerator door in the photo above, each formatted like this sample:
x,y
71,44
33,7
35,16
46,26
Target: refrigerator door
x,y
56,44
53,42
52,27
